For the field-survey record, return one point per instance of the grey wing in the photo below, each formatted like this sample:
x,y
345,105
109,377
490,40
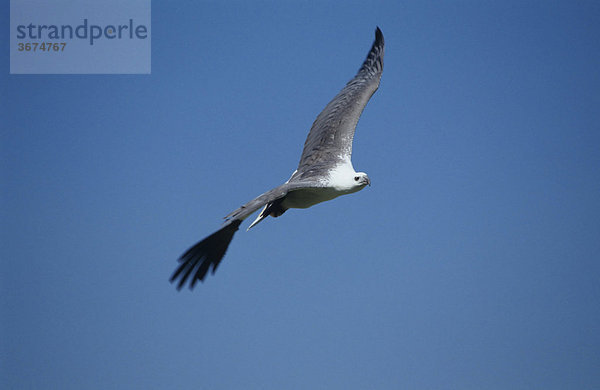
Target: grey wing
x,y
205,255
246,210
330,137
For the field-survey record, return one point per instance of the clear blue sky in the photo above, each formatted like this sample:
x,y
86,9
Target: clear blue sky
x,y
472,262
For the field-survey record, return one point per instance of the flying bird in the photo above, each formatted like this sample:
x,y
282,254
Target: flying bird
x,y
325,170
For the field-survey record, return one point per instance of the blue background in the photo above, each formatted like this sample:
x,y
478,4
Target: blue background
x,y
471,263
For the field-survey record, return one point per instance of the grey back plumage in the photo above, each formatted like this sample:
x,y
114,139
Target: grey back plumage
x,y
330,137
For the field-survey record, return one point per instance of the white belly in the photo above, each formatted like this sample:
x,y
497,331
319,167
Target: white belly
x,y
307,197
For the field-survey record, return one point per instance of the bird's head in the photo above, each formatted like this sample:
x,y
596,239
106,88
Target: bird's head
x,y
361,180
344,178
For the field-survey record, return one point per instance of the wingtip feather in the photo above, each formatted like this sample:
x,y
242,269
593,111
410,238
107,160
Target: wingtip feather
x,y
373,64
378,35
196,261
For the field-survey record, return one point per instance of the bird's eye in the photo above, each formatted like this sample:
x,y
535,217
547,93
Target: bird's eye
x,y
356,178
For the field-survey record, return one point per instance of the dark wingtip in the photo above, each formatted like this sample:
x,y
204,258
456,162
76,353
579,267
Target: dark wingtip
x,y
373,64
209,252
378,36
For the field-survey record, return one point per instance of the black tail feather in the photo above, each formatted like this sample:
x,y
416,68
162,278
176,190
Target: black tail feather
x,y
197,260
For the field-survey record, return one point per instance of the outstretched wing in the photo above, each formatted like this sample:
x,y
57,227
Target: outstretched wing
x,y
246,210
197,261
330,137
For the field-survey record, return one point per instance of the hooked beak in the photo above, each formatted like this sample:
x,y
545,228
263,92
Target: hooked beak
x,y
368,181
